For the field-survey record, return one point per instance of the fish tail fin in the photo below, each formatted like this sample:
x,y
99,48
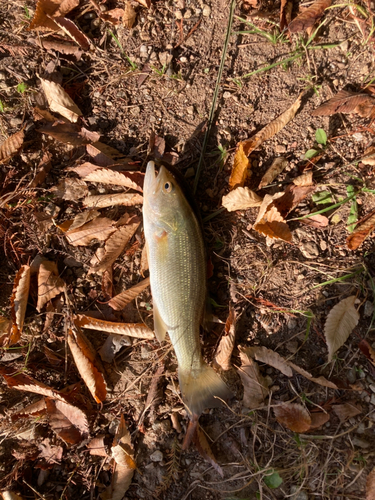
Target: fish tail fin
x,y
202,388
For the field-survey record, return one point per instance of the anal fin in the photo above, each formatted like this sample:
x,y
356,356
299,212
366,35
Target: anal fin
x,y
160,327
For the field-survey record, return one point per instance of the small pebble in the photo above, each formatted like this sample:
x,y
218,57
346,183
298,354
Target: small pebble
x,y
15,122
369,309
227,94
206,11
143,51
190,172
187,14
361,443
178,14
157,456
280,148
190,110
297,493
309,250
183,59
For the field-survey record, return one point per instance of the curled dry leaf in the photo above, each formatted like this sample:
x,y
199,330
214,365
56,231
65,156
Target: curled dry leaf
x,y
99,229
105,155
241,168
306,179
59,101
309,16
73,32
129,15
115,245
316,221
293,416
367,350
87,364
361,232
341,321
204,449
346,411
36,409
24,382
278,165
18,302
63,48
137,330
52,454
97,446
93,173
269,221
347,102
272,358
79,220
255,386
241,198
70,189
226,345
49,283
370,485
69,133
368,157
292,196
113,16
11,146
118,302
286,8
61,424
317,380
45,9
109,200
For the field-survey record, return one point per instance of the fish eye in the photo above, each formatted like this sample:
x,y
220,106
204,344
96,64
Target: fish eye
x,y
168,187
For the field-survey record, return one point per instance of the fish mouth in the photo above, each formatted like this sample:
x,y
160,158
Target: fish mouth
x,y
149,183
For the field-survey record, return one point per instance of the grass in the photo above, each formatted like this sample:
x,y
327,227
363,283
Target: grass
x,y
274,37
133,66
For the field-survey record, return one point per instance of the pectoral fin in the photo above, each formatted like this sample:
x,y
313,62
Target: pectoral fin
x,y
160,327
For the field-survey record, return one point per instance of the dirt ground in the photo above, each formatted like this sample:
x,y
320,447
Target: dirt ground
x,y
175,48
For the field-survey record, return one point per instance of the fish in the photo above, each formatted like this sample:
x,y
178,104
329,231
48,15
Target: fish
x,y
177,265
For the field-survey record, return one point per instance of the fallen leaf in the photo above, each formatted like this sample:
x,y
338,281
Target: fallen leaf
x,y
73,32
36,409
69,133
23,382
61,424
294,416
241,198
286,8
18,302
368,157
370,485
340,322
129,15
118,302
87,364
70,189
79,220
97,447
144,261
49,283
361,232
318,419
347,102
63,48
316,221
346,411
109,200
105,155
309,16
306,179
59,101
51,453
113,16
145,3
11,146
291,197
241,168
367,350
93,173
11,495
271,358
47,8
226,345
278,165
255,386
317,380
204,449
138,330
99,229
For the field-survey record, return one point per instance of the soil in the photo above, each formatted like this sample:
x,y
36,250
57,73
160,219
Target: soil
x,y
275,289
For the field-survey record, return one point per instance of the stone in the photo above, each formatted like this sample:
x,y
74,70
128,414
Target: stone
x,y
369,309
15,122
143,51
157,456
309,249
178,14
165,58
206,11
296,493
280,148
190,110
187,14
361,443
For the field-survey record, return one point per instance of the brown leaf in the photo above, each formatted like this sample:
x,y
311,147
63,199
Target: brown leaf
x,y
11,146
272,358
286,8
360,233
49,283
105,155
278,165
61,424
241,198
59,101
87,364
317,380
306,179
346,411
99,229
226,345
293,416
255,386
109,200
113,16
24,382
97,446
145,3
70,189
204,449
347,102
309,16
138,330
118,302
52,454
340,322
144,260
370,485
269,221
367,350
63,48
73,32
292,196
129,15
68,133
36,409
318,419
241,168
316,221
18,302
79,220
93,173
46,8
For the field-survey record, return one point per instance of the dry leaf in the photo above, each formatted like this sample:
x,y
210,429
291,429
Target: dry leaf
x,y
11,146
226,345
79,220
93,173
24,382
52,454
318,419
59,101
46,8
255,386
316,221
145,3
241,198
309,16
118,302
347,102
73,32
370,485
346,411
360,233
317,380
97,446
137,330
306,179
69,133
85,359
269,221
115,245
49,283
129,15
99,229
291,197
11,495
204,449
240,169
293,416
367,350
110,200
63,48
278,165
286,8
36,409
144,260
272,358
341,321
18,302
70,189
60,424
113,16
105,155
